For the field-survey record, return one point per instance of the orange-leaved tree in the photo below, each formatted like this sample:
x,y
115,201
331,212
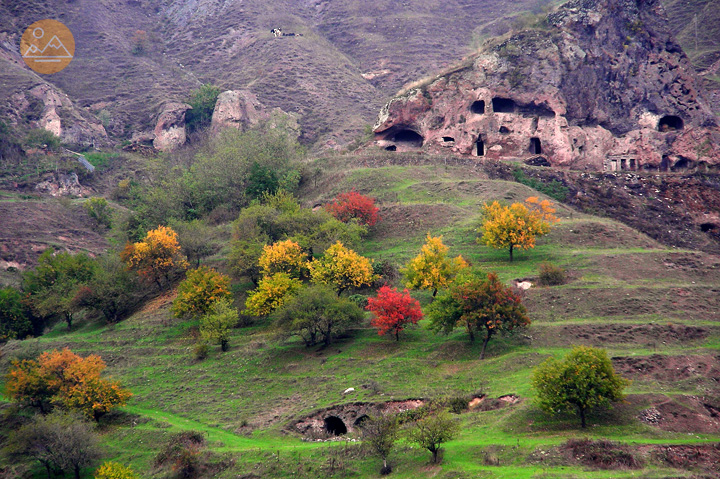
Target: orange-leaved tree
x,y
352,204
481,305
432,269
517,225
201,288
271,293
341,268
62,378
393,310
283,257
156,256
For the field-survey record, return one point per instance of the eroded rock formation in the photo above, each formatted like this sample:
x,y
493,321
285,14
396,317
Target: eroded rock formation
x,y
596,85
170,128
237,109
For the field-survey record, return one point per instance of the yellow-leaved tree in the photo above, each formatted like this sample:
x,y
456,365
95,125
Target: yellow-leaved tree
x,y
198,292
517,225
283,257
432,269
156,256
271,293
341,268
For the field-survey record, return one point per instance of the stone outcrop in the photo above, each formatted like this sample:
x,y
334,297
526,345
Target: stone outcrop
x,y
237,109
170,128
597,85
46,107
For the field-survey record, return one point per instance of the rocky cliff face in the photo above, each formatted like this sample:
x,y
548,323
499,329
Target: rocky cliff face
x,y
597,85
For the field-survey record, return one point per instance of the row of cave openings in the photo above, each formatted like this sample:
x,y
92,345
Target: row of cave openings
x,y
335,426
412,139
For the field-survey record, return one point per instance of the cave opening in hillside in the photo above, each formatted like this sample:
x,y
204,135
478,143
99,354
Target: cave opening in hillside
x,y
408,138
391,148
504,130
335,426
707,227
478,107
665,164
448,139
682,164
359,421
623,164
503,105
633,164
535,147
480,147
531,109
670,123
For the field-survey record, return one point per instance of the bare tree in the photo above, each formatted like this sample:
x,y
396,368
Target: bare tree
x,y
379,434
60,441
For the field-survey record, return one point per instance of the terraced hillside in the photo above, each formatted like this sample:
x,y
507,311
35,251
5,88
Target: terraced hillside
x,y
653,307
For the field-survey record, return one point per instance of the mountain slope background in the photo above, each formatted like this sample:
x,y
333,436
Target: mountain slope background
x,y
352,56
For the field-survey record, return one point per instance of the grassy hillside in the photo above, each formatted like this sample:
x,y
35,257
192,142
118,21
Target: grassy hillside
x,y
653,307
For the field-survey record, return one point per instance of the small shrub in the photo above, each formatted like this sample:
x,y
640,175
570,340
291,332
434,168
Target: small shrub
x,y
202,102
457,404
99,210
551,275
603,454
114,470
41,138
182,453
201,351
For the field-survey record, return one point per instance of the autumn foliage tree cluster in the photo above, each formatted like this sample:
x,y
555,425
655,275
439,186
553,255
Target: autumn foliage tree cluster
x,y
67,380
353,205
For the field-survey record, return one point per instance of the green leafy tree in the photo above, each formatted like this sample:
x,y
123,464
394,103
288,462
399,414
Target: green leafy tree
x,y
113,289
202,101
341,268
220,174
433,431
215,326
432,269
194,237
379,434
14,318
54,284
584,379
201,288
261,180
272,292
481,305
60,442
316,314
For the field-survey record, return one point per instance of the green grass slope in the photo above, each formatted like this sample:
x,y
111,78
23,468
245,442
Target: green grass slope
x,y
654,308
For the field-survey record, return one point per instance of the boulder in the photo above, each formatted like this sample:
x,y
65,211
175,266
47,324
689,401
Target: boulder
x,y
237,109
169,130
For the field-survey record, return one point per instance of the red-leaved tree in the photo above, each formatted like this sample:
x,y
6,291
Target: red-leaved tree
x,y
354,205
393,310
